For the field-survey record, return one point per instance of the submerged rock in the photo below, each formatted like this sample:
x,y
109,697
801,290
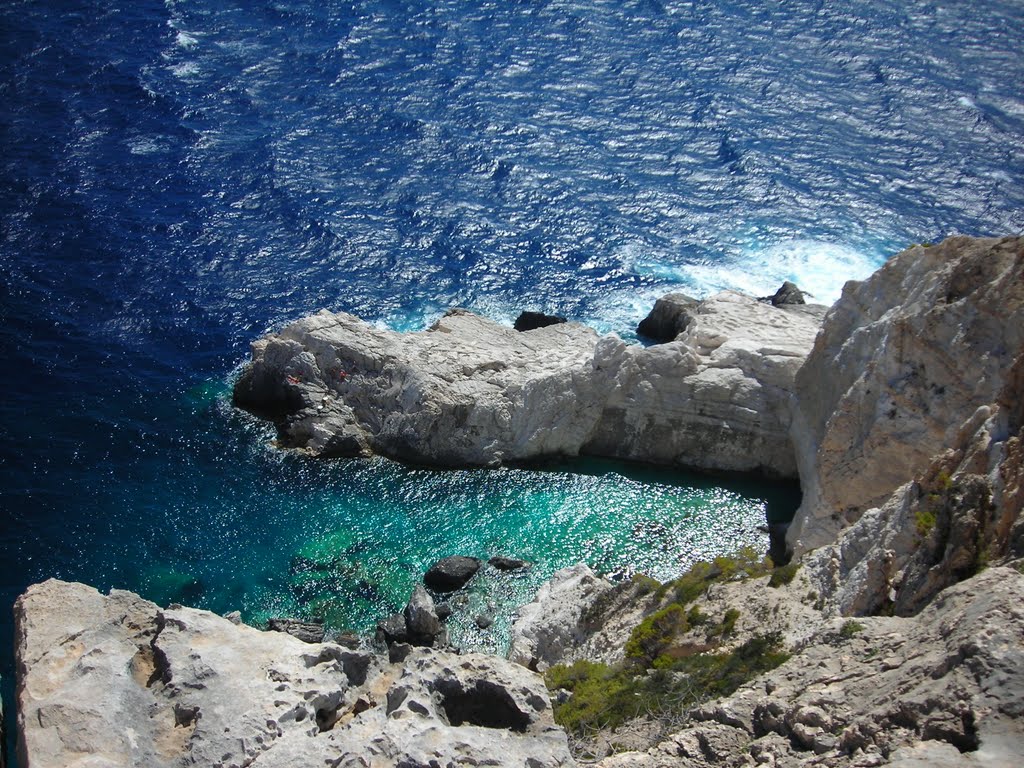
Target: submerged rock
x,y
306,631
451,573
115,680
507,563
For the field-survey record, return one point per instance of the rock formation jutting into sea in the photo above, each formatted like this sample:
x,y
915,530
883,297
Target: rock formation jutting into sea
x,y
895,636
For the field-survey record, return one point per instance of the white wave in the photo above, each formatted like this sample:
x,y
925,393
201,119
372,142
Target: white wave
x,y
820,268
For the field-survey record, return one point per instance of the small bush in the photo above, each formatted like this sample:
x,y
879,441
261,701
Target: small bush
x,y
783,575
645,585
726,626
850,628
695,618
653,636
924,522
607,697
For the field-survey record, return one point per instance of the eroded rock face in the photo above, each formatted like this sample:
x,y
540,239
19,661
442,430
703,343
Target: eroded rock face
x,y
119,680
548,629
944,688
905,359
470,392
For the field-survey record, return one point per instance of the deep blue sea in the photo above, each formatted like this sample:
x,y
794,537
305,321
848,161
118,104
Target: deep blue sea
x,y
179,177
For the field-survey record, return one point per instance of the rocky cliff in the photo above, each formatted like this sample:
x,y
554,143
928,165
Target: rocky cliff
x,y
903,364
469,391
114,680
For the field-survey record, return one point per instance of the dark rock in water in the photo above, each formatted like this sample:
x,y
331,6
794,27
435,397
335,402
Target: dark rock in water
x,y
444,612
484,620
670,316
508,563
190,592
393,629
787,294
451,573
306,631
528,321
777,550
349,640
421,619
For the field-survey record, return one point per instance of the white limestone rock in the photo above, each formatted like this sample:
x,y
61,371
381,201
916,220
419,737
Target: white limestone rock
x,y
469,391
116,681
904,359
552,625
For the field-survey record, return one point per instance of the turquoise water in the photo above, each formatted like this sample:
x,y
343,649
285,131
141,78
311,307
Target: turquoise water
x,y
346,540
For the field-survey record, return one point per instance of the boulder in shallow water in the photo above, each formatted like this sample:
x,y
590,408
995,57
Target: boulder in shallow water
x,y
531,321
507,563
451,573
393,629
421,619
306,631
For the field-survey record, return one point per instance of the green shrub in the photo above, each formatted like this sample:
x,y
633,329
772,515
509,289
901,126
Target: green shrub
x,y
654,635
924,521
695,618
601,695
726,626
607,697
783,574
850,628
645,585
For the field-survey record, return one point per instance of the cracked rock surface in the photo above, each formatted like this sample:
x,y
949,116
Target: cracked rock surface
x,y
117,681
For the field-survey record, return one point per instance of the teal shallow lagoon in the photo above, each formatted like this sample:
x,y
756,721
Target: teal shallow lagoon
x,y
346,540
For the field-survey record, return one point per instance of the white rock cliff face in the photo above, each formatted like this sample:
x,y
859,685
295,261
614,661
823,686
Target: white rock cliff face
x,y
116,681
904,360
469,391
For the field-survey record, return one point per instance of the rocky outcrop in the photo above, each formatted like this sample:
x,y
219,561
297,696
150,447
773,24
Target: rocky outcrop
x,y
306,631
944,688
451,573
531,321
906,361
471,392
669,317
960,514
550,627
115,680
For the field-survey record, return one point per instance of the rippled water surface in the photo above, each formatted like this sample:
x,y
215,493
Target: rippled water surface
x,y
177,178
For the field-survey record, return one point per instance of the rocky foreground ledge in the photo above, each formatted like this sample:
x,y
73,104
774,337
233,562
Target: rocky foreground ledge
x,y
118,681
